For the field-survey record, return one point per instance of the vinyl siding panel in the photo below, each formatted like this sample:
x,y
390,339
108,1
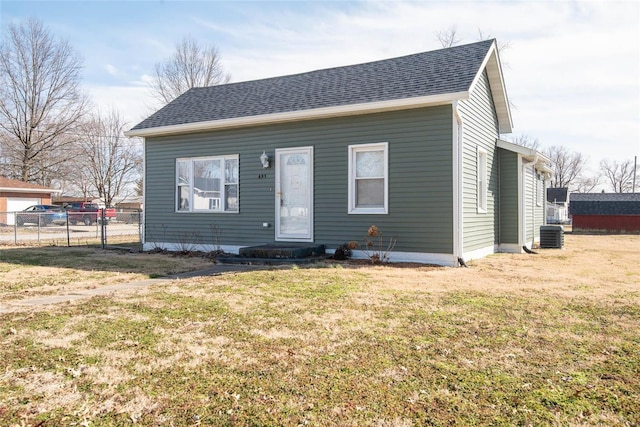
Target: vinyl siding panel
x,y
480,130
529,206
420,184
509,210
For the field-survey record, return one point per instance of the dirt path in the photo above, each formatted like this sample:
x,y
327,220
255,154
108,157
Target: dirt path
x,y
43,301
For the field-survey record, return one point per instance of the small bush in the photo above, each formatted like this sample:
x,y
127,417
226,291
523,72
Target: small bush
x,y
375,247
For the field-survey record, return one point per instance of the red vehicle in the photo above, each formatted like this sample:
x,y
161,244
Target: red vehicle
x,y
88,213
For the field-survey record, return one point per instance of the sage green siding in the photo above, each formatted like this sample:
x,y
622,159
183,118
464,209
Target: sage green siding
x,y
420,180
480,130
509,210
534,210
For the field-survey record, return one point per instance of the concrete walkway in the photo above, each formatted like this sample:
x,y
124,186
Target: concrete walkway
x,y
19,305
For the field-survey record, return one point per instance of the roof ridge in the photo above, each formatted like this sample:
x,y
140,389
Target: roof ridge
x,y
432,74
393,58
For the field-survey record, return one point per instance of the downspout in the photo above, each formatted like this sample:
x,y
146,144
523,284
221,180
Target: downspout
x,y
533,202
457,185
142,223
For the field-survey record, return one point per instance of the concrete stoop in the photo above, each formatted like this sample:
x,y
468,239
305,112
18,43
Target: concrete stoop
x,y
277,253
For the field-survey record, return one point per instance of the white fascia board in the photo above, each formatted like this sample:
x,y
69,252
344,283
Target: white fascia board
x,y
292,116
498,90
527,152
29,190
541,162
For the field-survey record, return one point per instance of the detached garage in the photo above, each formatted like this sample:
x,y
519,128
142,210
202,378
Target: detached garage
x,y
605,212
17,195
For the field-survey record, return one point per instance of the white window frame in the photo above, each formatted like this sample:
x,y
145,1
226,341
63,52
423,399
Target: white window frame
x,y
482,188
539,188
218,203
356,148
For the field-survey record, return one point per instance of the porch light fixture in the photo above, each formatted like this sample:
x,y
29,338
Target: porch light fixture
x,y
264,159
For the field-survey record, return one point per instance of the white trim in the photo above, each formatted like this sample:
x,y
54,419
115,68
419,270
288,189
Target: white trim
x,y
143,234
315,113
493,66
446,260
528,153
29,190
352,149
510,248
522,201
310,169
458,202
480,253
220,201
482,186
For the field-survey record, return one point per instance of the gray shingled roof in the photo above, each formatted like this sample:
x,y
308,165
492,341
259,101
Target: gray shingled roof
x,y
605,204
437,72
557,195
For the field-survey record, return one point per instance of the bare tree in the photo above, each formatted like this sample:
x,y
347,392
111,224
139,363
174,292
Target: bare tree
x,y
586,184
111,160
40,101
618,175
448,37
191,65
567,165
502,45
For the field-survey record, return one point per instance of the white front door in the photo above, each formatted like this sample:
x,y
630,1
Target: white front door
x,y
294,194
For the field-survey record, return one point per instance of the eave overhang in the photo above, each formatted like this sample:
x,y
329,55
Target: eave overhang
x,y
294,116
541,161
28,190
498,89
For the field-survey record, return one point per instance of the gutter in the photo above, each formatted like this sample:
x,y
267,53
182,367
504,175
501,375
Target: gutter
x,y
292,116
29,190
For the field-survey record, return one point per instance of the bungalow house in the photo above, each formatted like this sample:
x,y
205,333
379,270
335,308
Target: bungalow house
x,y
557,205
17,195
409,144
605,212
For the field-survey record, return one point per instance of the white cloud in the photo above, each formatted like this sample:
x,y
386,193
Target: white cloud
x,y
134,103
572,69
111,70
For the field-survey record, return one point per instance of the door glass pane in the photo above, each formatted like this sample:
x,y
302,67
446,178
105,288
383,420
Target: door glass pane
x,y
369,193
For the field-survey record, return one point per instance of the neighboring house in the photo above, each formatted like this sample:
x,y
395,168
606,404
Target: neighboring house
x,y
17,195
557,205
605,212
409,144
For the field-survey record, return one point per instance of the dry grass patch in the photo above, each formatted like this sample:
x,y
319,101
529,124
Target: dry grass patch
x,y
550,339
28,272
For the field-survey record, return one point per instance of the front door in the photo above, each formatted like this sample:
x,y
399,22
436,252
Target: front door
x,y
294,194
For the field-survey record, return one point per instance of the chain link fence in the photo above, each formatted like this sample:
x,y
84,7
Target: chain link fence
x,y
61,229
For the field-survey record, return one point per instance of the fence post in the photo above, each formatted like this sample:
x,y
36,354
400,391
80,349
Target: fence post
x,y
68,234
15,228
103,234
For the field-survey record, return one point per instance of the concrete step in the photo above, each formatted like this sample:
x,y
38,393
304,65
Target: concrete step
x,y
283,251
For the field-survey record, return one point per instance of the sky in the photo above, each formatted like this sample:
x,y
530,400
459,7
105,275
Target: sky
x,y
571,68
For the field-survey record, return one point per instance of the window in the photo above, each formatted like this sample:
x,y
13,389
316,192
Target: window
x,y
482,181
207,184
539,189
368,178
